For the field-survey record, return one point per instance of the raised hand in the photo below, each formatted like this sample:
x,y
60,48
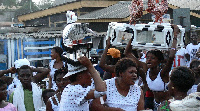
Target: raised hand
x,y
176,30
108,41
85,61
12,70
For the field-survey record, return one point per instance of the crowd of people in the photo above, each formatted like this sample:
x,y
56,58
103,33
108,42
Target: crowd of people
x,y
151,80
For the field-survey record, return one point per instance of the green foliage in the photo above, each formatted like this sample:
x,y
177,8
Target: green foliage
x,y
27,8
46,4
8,3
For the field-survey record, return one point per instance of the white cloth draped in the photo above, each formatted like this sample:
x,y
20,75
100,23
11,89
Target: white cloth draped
x,y
18,97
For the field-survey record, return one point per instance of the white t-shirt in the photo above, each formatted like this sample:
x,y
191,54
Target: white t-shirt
x,y
180,57
192,50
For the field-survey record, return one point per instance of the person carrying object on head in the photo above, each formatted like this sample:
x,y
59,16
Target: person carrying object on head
x,y
75,96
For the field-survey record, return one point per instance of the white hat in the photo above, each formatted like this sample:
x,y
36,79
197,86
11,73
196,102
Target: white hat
x,y
73,69
20,62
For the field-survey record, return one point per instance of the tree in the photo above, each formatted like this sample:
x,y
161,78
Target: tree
x,y
26,8
45,4
8,3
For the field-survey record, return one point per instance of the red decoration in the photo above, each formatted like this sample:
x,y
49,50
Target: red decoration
x,y
158,9
136,9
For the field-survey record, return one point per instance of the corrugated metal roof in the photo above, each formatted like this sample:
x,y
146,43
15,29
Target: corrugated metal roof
x,y
52,34
192,4
119,10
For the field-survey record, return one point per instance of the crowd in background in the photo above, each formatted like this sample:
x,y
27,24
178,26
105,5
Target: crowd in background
x,y
123,80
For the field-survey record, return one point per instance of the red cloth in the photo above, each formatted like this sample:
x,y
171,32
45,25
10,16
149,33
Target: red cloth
x,y
149,93
113,75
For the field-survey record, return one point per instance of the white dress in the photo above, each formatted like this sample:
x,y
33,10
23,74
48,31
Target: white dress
x,y
73,98
115,99
52,72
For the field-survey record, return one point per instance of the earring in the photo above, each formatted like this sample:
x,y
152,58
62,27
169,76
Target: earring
x,y
172,87
160,65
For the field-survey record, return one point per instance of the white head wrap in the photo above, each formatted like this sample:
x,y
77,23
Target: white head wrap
x,y
20,62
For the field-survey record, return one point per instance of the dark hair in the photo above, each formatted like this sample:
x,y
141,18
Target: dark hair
x,y
157,53
182,78
195,61
58,50
7,79
123,64
44,93
25,67
62,70
2,82
110,60
72,62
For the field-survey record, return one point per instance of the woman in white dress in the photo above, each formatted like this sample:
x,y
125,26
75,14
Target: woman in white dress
x,y
157,76
122,92
55,64
53,103
75,96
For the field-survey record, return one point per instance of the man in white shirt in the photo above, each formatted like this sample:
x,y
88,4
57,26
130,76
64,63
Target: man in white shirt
x,y
192,48
180,59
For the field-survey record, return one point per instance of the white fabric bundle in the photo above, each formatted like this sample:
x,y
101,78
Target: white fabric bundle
x,y
189,103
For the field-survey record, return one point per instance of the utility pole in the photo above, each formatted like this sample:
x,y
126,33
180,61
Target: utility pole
x,y
30,5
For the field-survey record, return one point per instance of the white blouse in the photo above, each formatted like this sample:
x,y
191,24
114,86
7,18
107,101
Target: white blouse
x,y
73,98
115,99
157,84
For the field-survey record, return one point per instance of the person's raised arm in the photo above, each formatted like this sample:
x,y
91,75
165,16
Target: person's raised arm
x,y
128,53
98,82
41,74
11,70
102,63
165,71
